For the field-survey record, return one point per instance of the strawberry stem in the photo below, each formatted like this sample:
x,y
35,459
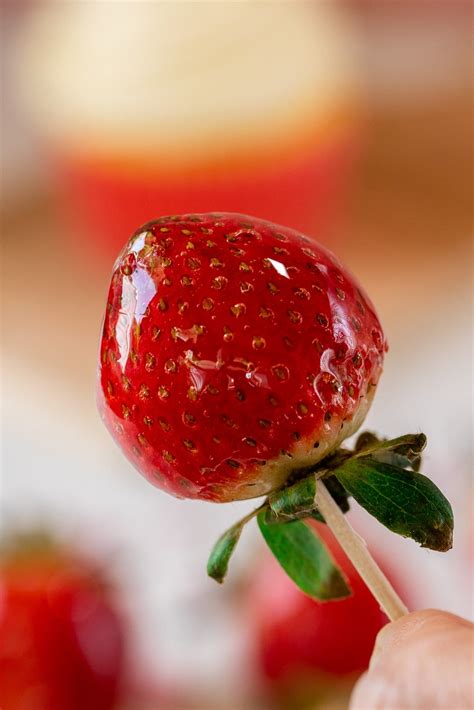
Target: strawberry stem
x,y
356,550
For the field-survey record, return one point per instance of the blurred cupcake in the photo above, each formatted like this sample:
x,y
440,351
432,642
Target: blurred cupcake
x,y
160,108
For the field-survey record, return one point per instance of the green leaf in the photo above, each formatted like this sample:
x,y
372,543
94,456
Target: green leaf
x,y
298,498
304,558
221,553
338,492
272,519
367,440
406,502
392,458
403,451
296,502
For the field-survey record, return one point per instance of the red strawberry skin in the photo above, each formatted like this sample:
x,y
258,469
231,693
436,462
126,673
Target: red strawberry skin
x,y
233,352
61,638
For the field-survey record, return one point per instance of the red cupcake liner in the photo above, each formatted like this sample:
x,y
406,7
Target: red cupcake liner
x,y
107,205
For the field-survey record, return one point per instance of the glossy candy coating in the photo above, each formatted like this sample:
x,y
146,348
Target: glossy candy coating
x,y
233,352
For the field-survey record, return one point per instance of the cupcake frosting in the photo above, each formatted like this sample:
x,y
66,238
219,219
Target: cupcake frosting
x,y
186,78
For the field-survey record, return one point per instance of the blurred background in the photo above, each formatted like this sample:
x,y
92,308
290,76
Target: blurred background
x,y
349,120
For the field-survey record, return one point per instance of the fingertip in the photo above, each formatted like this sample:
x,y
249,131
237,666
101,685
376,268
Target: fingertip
x,y
398,632
358,693
409,660
375,692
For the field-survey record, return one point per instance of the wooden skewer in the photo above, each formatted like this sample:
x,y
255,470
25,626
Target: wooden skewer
x,y
356,550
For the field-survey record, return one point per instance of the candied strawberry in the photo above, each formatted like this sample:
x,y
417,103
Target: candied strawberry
x,y
61,635
234,352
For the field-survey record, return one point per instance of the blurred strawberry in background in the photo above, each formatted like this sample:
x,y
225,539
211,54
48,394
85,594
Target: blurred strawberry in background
x,y
160,108
62,638
309,651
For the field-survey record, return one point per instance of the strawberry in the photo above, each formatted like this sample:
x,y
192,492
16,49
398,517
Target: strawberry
x,y
61,638
298,640
234,352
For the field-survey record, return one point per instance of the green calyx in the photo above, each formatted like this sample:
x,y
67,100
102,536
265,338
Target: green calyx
x,y
381,475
